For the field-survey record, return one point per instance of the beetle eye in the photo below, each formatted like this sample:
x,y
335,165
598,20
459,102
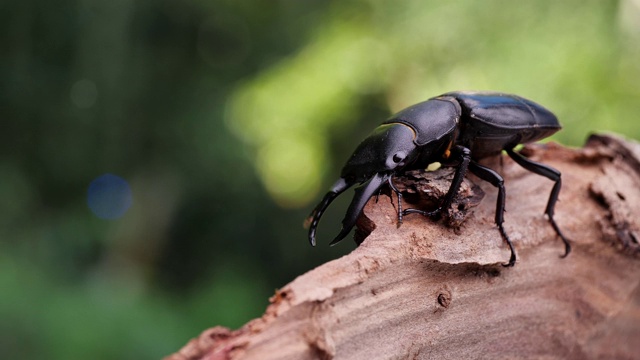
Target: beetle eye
x,y
398,157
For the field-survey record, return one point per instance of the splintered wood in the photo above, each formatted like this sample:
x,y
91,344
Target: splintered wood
x,y
437,289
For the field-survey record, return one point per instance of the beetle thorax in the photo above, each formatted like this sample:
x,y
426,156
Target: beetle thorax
x,y
389,148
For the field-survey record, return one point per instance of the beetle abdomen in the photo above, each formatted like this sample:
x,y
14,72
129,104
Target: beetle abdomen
x,y
495,121
505,111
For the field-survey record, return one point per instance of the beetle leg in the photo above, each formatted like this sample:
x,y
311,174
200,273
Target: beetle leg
x,y
461,171
399,195
496,180
464,156
552,174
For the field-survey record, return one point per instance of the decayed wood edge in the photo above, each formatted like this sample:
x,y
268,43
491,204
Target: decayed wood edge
x,y
424,290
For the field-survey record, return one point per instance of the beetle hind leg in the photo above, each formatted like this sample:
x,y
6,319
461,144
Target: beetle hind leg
x,y
496,180
552,174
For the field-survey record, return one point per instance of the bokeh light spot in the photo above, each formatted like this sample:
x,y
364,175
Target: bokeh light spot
x,y
291,169
84,93
109,196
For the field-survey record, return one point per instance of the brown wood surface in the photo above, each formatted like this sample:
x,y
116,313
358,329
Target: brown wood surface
x,y
427,290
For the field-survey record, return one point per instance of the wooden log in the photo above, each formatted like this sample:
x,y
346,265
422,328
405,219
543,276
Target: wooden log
x,y
426,290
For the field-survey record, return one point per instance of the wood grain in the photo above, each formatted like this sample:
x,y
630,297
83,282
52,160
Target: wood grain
x,y
427,290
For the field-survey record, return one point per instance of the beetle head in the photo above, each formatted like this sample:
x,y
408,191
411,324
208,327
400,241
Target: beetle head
x,y
411,139
389,149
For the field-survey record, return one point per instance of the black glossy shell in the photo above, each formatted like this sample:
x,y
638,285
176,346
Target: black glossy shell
x,y
492,122
431,120
455,129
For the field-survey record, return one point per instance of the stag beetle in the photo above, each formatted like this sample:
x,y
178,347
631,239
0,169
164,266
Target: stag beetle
x,y
456,129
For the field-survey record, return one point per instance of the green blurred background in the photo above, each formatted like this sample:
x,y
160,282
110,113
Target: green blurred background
x,y
228,119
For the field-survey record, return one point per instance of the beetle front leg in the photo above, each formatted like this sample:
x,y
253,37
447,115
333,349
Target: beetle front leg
x,y
464,156
399,195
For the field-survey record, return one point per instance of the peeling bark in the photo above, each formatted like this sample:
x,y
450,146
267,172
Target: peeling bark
x,y
436,289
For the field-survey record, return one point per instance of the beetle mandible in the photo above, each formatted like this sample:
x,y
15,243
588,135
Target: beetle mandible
x,y
456,129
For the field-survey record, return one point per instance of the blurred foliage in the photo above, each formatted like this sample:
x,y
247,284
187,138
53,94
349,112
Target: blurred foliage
x,y
228,119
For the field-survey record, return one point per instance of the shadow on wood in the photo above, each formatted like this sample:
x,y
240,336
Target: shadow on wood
x,y
426,290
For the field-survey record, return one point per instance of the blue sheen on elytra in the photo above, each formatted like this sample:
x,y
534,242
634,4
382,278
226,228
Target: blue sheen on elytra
x,y
109,196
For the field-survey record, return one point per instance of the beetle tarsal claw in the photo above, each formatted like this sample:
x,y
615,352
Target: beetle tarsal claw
x,y
567,244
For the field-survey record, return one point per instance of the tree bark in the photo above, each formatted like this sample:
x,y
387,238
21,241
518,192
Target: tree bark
x,y
437,289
